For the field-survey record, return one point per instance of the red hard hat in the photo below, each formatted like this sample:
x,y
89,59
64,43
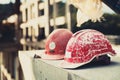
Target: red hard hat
x,y
84,46
56,44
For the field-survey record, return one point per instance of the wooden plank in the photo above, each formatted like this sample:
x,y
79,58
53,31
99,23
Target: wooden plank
x,y
58,21
26,4
47,17
41,6
52,1
1,60
23,10
54,13
49,70
68,15
29,13
42,22
5,73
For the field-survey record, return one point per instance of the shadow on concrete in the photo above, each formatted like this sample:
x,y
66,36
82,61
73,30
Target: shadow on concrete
x,y
97,65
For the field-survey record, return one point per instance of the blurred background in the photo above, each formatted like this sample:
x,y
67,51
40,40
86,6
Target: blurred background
x,y
25,25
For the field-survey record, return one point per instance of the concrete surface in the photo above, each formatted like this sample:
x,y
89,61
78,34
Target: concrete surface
x,y
38,69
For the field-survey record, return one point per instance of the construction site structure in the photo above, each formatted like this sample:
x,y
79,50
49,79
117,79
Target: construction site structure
x,y
39,18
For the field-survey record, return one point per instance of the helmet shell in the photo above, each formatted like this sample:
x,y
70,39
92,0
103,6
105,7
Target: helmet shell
x,y
84,46
56,44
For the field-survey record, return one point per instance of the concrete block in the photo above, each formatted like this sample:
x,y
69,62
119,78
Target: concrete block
x,y
38,69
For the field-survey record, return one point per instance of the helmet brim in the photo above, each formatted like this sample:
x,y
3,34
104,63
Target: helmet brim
x,y
65,64
51,57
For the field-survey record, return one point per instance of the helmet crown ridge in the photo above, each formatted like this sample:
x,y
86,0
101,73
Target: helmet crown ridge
x,y
85,45
56,44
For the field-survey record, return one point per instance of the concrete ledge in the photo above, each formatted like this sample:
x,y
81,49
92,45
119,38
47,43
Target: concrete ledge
x,y
37,69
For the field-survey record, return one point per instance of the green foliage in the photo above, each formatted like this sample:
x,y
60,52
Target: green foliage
x,y
109,26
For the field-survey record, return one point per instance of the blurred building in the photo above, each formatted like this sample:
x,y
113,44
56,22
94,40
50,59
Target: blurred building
x,y
9,40
39,18
26,25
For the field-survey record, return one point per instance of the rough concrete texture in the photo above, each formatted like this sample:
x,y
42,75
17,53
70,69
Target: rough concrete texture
x,y
49,70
